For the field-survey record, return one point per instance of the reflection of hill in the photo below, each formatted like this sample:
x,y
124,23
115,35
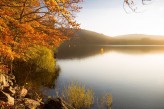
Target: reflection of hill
x,y
86,51
66,52
138,49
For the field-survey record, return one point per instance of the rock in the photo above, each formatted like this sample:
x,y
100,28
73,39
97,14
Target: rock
x,y
6,98
3,81
23,92
9,90
56,103
10,82
31,104
32,94
3,96
12,77
19,104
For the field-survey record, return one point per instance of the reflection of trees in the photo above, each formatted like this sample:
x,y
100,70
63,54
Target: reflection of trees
x,y
36,79
66,52
73,51
38,70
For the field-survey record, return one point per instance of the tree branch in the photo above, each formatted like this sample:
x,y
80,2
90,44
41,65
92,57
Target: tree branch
x,y
12,6
24,4
63,14
36,18
34,13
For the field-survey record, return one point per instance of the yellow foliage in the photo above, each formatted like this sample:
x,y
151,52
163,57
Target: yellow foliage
x,y
78,96
107,100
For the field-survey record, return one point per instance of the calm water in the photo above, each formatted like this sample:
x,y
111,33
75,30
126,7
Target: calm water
x,y
133,75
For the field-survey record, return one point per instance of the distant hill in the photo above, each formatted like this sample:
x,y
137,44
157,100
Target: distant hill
x,y
139,37
87,43
85,37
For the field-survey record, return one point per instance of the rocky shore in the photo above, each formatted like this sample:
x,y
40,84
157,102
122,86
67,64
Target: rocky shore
x,y
13,96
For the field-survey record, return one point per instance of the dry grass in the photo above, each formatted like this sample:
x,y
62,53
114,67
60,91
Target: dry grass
x,y
78,96
106,100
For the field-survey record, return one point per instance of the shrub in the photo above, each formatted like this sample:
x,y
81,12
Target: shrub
x,y
106,101
42,58
37,67
78,96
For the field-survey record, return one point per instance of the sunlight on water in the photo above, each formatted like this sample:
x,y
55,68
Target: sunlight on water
x,y
135,79
117,67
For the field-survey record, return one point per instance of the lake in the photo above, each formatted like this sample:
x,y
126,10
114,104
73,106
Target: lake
x,y
134,75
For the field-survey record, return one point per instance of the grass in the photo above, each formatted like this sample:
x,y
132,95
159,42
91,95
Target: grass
x,y
106,101
78,96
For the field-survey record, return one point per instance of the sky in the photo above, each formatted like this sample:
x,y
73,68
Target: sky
x,y
109,17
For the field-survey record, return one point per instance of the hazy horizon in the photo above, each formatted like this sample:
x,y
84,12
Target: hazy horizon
x,y
109,18
122,34
125,34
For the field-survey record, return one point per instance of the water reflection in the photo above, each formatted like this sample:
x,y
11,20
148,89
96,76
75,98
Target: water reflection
x,y
133,75
36,79
67,52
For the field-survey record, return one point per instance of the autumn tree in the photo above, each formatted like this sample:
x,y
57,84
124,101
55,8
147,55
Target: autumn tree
x,y
27,23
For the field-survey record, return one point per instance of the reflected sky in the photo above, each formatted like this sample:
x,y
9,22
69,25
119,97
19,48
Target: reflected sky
x,y
135,81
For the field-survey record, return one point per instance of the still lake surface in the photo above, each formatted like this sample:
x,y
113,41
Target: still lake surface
x,y
133,75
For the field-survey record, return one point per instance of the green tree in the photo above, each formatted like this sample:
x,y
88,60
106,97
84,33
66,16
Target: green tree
x,y
39,69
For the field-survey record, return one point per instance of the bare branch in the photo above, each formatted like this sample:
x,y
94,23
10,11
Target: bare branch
x,y
129,4
36,18
62,13
41,8
34,13
124,7
143,2
132,6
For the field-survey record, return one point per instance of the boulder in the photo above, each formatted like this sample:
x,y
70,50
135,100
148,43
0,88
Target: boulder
x,y
19,103
10,82
23,92
31,104
9,90
56,103
3,81
6,98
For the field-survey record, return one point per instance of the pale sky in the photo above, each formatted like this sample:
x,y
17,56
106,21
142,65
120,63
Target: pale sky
x,y
108,17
